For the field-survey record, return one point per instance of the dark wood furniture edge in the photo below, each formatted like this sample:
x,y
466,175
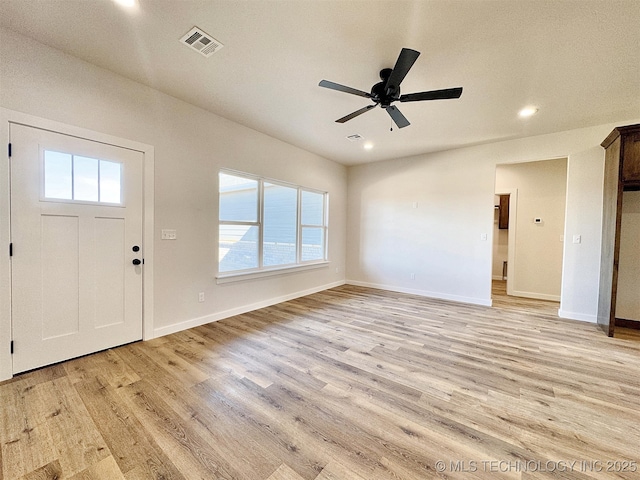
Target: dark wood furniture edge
x,y
626,323
617,131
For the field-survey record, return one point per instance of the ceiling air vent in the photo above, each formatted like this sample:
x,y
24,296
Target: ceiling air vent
x,y
354,138
201,42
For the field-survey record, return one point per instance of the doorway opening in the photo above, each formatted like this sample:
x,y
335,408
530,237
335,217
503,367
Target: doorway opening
x,y
528,235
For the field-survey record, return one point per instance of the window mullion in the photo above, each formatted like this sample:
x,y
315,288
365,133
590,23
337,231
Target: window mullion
x,y
73,177
234,222
260,224
299,227
325,220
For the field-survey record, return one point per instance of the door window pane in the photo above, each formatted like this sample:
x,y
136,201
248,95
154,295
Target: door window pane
x,y
312,208
238,198
238,247
280,225
57,175
85,179
110,183
312,243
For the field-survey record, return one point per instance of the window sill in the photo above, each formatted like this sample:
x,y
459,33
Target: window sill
x,y
242,276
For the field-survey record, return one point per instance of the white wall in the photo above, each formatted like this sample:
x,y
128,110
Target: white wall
x,y
581,265
536,269
500,244
628,299
440,241
191,145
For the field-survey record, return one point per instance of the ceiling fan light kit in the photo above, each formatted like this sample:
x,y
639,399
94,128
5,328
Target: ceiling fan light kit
x,y
387,91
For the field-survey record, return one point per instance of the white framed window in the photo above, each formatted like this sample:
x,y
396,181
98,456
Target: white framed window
x,y
75,178
266,224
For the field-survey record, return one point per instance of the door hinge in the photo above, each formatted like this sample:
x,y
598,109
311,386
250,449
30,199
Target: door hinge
x,y
11,249
9,150
11,347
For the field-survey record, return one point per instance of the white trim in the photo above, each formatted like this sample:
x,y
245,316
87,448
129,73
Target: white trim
x,y
423,293
498,277
253,274
537,296
10,116
6,364
583,317
214,317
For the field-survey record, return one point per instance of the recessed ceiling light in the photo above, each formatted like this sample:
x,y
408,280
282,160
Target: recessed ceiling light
x,y
368,146
126,3
527,112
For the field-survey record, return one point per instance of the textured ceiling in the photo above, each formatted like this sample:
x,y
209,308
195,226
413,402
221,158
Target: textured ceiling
x,y
577,61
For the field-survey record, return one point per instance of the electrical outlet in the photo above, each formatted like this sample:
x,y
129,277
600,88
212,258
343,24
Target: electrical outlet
x,y
201,297
413,276
577,239
483,237
169,234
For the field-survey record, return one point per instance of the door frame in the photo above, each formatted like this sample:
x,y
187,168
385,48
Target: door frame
x,y
511,246
8,117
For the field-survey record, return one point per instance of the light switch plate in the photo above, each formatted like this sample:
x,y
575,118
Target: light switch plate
x,y
169,234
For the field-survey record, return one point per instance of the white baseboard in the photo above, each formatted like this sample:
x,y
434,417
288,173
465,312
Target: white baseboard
x,y
498,277
583,317
423,293
214,317
537,296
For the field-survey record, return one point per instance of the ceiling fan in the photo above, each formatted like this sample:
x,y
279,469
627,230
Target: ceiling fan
x,y
387,91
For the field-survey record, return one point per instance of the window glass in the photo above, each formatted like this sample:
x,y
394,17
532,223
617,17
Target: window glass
x,y
85,179
110,184
312,243
312,208
57,175
238,198
264,224
238,247
280,224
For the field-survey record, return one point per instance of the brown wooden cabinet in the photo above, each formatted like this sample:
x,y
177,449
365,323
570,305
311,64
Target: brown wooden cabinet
x,y
621,172
631,163
503,212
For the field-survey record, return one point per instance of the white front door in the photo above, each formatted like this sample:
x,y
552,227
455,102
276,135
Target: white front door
x,y
76,234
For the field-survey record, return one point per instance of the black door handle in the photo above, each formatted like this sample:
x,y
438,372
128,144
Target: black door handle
x,y
136,261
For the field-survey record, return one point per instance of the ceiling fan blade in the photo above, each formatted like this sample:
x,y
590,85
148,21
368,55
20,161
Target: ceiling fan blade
x,y
346,118
405,61
342,88
432,95
399,119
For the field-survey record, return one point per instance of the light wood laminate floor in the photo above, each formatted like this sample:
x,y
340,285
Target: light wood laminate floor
x,y
347,384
